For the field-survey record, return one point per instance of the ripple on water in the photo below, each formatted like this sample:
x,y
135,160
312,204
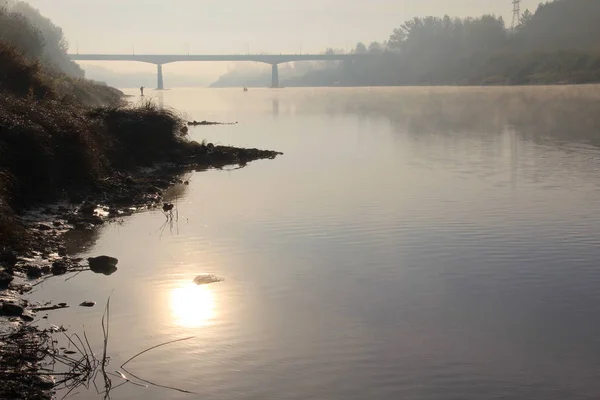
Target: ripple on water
x,y
427,257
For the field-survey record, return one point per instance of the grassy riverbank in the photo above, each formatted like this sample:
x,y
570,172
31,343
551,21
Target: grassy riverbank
x,y
60,136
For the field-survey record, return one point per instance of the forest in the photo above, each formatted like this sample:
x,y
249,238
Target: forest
x,y
558,43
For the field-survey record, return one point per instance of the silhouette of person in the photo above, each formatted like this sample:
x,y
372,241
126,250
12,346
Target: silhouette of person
x,y
142,90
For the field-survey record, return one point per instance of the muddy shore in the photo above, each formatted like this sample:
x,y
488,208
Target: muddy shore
x,y
117,196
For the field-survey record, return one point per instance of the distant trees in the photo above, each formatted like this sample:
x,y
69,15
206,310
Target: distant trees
x,y
16,30
562,25
526,18
361,48
560,42
376,48
36,37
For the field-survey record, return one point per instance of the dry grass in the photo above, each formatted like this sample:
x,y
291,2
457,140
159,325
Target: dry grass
x,y
54,136
141,135
55,140
21,353
30,353
20,76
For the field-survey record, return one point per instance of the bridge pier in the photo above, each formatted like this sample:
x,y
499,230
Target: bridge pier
x,y
274,76
159,83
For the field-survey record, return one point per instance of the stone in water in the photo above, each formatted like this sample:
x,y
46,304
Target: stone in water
x,y
103,264
205,279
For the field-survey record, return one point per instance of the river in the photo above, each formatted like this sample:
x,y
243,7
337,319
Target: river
x,y
411,243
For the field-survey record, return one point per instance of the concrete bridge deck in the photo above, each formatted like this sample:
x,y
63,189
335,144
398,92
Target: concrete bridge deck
x,y
272,59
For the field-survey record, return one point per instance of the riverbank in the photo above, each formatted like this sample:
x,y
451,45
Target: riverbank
x,y
74,156
46,227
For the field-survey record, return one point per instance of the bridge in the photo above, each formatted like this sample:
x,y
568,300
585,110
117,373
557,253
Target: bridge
x,y
272,59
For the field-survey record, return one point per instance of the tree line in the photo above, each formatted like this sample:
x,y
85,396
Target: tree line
x,y
36,37
558,43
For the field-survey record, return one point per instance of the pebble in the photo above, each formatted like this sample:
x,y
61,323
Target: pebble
x,y
44,227
46,382
5,279
34,272
12,309
27,316
95,220
88,209
8,258
59,268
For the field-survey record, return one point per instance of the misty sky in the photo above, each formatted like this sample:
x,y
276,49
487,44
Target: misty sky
x,y
233,26
229,26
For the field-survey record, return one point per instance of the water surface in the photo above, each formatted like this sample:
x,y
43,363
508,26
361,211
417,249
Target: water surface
x,y
411,244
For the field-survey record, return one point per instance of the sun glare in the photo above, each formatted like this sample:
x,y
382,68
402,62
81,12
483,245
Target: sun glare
x,y
192,306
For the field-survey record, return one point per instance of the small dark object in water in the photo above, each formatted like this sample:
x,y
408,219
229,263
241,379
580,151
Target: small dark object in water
x,y
196,123
167,207
103,264
88,304
205,279
50,308
210,148
70,352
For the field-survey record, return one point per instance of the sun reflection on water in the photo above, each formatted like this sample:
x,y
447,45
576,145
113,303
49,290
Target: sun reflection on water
x,y
192,305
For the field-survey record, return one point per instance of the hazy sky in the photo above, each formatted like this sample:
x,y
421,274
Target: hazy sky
x,y
234,26
229,26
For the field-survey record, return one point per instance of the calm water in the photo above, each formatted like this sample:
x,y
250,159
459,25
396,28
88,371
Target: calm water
x,y
410,244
